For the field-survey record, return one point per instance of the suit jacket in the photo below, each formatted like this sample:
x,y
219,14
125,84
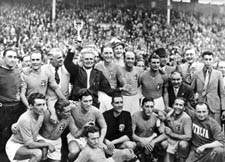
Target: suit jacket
x,y
185,91
98,81
183,68
215,96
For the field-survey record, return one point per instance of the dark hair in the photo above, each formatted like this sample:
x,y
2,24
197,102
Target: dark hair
x,y
9,49
147,100
207,53
116,95
105,46
181,98
34,96
90,129
202,103
153,56
84,92
60,104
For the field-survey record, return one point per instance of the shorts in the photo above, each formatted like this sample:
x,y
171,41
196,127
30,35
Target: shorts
x,y
56,155
81,140
11,148
172,146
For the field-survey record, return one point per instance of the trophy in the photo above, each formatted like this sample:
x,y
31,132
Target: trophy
x,y
78,24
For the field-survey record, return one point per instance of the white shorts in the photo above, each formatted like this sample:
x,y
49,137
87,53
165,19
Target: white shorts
x,y
110,160
105,101
56,155
11,148
81,141
172,146
159,103
131,103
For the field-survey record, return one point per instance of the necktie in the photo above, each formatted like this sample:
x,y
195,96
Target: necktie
x,y
57,79
205,83
176,91
206,80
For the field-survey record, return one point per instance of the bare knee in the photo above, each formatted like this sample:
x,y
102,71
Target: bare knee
x,y
183,148
74,148
164,144
183,145
129,145
37,154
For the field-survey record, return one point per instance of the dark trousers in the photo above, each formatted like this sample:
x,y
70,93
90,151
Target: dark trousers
x,y
9,114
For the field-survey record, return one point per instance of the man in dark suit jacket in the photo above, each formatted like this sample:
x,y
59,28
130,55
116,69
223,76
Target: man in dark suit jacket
x,y
179,89
86,76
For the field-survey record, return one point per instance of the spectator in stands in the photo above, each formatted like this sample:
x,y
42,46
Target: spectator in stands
x,y
118,49
209,87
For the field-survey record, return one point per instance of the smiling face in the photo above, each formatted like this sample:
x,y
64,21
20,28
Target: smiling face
x,y
154,64
107,54
178,106
118,51
189,55
88,60
36,61
129,59
176,79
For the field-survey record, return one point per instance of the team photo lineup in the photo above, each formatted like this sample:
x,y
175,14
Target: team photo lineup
x,y
112,81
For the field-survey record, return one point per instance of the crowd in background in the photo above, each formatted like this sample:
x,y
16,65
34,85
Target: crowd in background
x,y
30,27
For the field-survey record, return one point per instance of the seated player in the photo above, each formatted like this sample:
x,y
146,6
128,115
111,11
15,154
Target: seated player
x,y
146,125
24,144
93,152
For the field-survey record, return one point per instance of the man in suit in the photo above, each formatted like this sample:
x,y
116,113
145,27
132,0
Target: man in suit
x,y
209,87
190,66
179,89
86,76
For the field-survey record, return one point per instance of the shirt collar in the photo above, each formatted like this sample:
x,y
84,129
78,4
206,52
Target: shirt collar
x,y
207,69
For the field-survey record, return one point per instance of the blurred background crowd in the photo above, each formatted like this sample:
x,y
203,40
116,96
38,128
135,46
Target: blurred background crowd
x,y
29,26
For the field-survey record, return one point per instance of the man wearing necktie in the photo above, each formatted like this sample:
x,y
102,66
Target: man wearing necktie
x,y
209,87
191,65
177,88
